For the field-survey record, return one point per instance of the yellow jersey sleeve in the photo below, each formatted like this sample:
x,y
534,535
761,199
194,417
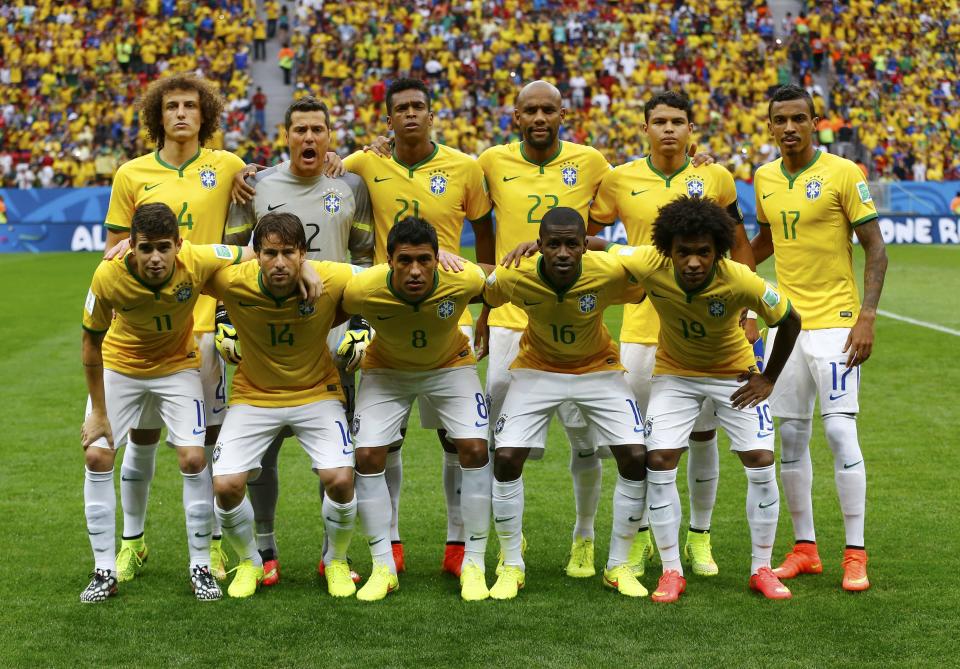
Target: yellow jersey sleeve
x,y
122,205
476,198
604,210
855,196
97,309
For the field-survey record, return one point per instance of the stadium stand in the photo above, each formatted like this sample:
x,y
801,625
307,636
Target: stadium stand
x,y
69,74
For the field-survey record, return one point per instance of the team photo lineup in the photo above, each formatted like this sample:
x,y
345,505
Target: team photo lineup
x,y
336,293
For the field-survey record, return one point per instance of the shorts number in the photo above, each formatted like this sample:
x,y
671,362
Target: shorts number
x,y
200,414
563,334
280,335
405,205
549,201
163,322
316,231
185,219
790,230
419,339
766,420
693,329
344,433
637,418
840,376
481,406
221,393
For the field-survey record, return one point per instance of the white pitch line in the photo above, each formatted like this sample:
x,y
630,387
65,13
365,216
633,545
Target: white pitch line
x,y
923,324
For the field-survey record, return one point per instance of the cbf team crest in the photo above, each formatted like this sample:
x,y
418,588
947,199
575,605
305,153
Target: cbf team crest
x,y
183,292
814,188
588,303
446,308
717,308
305,309
695,187
208,177
331,203
569,174
438,182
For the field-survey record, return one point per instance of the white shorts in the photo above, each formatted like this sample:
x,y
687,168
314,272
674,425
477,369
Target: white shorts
x,y
429,420
816,368
213,377
320,427
676,402
504,346
384,398
148,404
639,360
603,399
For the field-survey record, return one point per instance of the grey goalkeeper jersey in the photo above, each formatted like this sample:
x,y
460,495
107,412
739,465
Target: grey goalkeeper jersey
x,y
336,213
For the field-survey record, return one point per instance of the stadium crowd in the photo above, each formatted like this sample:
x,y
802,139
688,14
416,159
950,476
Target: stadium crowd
x,y
887,89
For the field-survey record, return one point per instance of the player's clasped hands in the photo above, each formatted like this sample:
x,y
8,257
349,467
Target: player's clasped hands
x,y
756,389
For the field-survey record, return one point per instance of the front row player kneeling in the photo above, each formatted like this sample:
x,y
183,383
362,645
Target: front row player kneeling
x,y
286,379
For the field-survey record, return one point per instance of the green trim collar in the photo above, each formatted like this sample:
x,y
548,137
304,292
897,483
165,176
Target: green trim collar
x,y
545,162
690,294
663,176
263,289
178,170
413,168
791,179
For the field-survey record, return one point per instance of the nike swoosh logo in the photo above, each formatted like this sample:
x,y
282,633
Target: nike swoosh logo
x,y
638,192
765,196
634,520
93,534
531,304
216,411
853,465
767,505
473,538
346,452
127,308
763,435
374,543
150,186
506,179
638,429
584,455
479,424
377,180
705,480
198,535
244,304
336,522
271,207
124,478
503,520
657,508
836,397
789,462
386,318
200,431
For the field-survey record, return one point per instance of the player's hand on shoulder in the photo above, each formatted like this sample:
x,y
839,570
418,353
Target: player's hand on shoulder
x,y
450,261
382,146
524,250
353,345
95,426
240,191
333,166
311,285
117,250
699,158
226,338
756,389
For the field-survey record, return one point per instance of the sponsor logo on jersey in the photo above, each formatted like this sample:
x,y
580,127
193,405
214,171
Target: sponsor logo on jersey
x,y
331,203
305,309
222,251
183,292
588,303
446,308
695,187
91,302
438,183
717,308
814,188
569,174
208,177
864,192
771,297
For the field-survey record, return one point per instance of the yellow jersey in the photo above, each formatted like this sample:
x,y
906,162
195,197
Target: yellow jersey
x,y
634,193
285,360
150,328
700,333
565,332
811,216
198,193
523,191
415,336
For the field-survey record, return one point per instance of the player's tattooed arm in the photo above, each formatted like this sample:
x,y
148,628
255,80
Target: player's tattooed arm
x,y
758,385
96,424
859,345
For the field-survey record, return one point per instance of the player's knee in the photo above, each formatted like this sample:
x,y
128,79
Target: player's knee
x,y
508,464
338,484
631,461
371,461
756,458
191,459
473,453
145,436
99,459
663,459
229,490
840,429
706,435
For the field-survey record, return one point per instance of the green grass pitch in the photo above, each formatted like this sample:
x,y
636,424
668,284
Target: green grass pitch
x,y
908,431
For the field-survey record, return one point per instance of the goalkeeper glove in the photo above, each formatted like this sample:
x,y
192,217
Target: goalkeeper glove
x,y
353,345
228,344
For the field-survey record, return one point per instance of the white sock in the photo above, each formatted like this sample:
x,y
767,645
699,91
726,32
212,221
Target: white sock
x,y
452,487
763,509
215,522
703,474
628,503
264,491
338,522
373,508
100,508
587,475
663,500
136,473
476,504
198,510
849,473
237,524
796,473
394,478
508,519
